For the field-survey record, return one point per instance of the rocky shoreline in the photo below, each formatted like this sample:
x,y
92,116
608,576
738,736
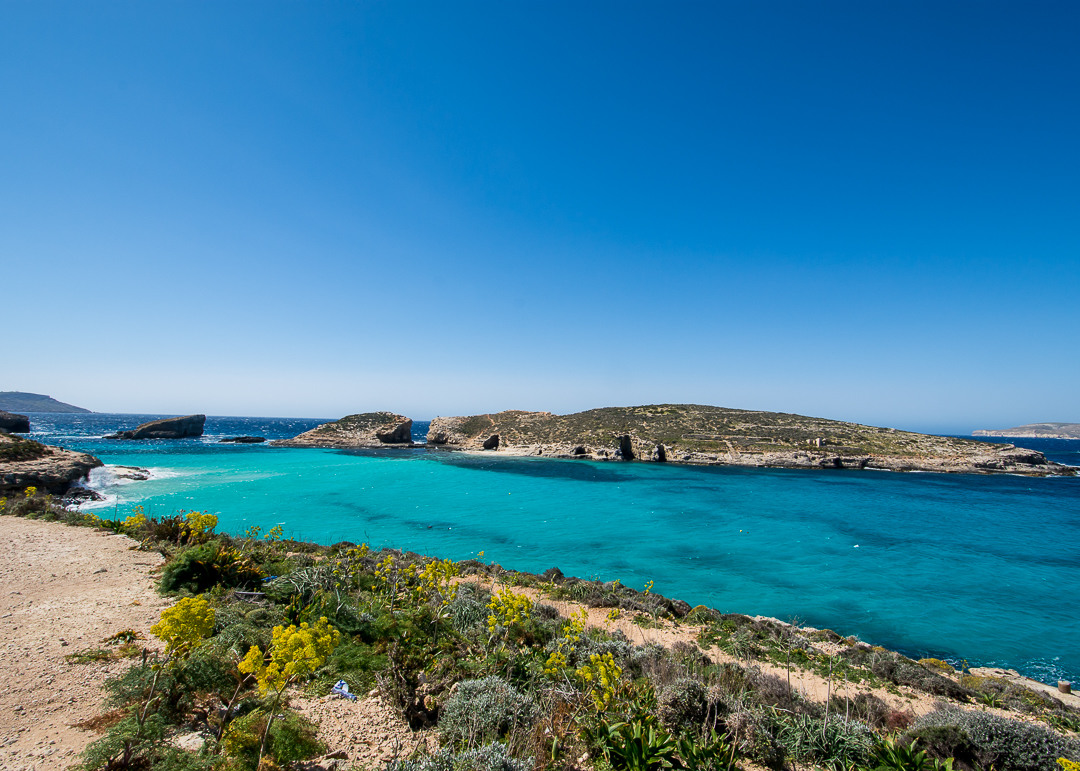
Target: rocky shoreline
x,y
25,463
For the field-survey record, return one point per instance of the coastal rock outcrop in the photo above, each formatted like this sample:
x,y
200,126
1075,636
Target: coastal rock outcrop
x,y
14,424
698,434
244,440
166,428
25,463
364,430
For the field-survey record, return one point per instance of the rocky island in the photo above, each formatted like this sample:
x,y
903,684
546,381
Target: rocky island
x,y
697,434
361,431
1035,431
166,428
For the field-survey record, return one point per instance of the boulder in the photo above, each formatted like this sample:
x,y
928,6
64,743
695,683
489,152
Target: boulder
x,y
245,439
166,428
492,442
14,424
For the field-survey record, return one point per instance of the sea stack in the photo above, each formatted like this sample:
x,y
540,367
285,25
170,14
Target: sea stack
x,y
167,428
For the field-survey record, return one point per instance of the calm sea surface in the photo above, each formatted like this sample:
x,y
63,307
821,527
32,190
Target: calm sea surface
x,y
985,568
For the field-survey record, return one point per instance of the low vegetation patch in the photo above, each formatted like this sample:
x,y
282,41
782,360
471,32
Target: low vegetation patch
x,y
502,679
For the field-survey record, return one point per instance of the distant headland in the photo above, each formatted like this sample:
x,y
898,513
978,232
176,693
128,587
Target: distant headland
x,y
20,401
1035,431
692,434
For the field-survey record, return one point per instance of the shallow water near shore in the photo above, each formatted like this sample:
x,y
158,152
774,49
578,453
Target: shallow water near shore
x,y
984,568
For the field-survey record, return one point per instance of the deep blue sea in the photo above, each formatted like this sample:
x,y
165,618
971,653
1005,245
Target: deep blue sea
x,y
983,568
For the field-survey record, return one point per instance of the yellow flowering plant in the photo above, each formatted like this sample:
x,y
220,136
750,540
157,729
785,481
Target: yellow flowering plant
x,y
509,611
198,526
295,653
603,677
184,626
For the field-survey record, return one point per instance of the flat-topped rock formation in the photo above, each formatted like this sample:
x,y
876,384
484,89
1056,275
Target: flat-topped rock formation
x,y
25,463
166,428
1035,431
14,424
689,433
366,430
244,440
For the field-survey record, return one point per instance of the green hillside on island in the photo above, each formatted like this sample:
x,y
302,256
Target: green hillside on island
x,y
21,401
691,433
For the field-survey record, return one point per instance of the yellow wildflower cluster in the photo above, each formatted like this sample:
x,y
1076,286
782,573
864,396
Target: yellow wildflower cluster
x,y
295,653
613,614
252,532
274,533
31,491
648,588
198,525
508,610
601,675
436,581
183,626
349,566
1068,765
136,520
575,627
433,581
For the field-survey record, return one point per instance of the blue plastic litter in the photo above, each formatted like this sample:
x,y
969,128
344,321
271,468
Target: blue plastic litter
x,y
341,688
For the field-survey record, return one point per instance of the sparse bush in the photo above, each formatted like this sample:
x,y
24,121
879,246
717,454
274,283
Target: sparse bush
x,y
836,743
683,706
482,711
1003,743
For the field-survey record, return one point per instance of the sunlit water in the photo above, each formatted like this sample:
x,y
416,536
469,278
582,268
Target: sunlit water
x,y
985,568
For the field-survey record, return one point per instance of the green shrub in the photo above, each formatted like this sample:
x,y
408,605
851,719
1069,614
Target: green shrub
x,y
1002,743
199,568
291,738
484,710
490,757
837,743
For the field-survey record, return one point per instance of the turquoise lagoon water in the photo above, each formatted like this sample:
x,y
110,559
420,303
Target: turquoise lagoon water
x,y
985,568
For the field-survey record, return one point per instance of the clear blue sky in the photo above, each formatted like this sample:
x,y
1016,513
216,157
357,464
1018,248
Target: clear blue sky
x,y
864,211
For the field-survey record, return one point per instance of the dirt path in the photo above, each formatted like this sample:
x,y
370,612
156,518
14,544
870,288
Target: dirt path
x,y
62,589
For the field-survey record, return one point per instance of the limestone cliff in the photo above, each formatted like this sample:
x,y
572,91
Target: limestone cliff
x,y
689,433
166,428
365,430
25,463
